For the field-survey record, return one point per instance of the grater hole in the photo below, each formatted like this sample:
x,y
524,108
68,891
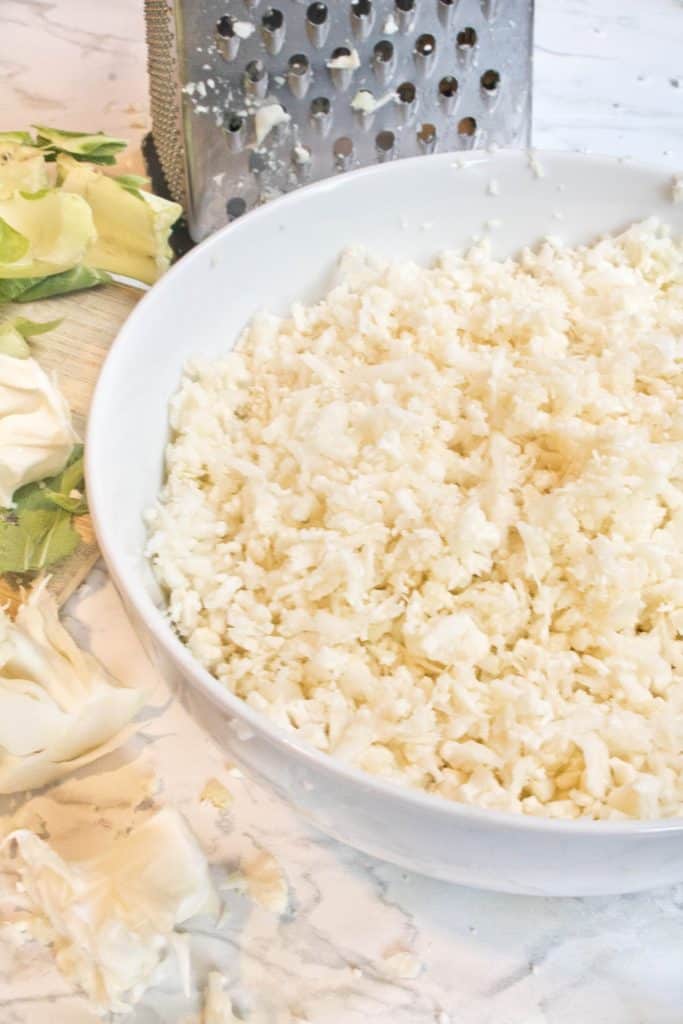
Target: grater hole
x,y
235,207
320,106
385,141
467,126
384,51
317,23
341,66
234,123
406,92
490,80
406,95
467,37
405,14
425,45
426,134
226,37
361,8
298,64
343,146
273,29
298,74
273,20
317,14
361,17
448,87
255,70
446,8
225,27
343,150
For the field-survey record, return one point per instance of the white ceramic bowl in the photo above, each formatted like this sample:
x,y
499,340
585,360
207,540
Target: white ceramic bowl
x,y
287,250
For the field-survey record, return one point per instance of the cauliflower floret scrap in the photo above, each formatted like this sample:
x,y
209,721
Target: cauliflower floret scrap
x,y
112,918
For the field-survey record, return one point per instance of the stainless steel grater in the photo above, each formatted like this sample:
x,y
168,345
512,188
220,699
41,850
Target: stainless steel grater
x,y
251,100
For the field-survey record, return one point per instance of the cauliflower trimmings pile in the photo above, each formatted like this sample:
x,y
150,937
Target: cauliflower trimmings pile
x,y
435,524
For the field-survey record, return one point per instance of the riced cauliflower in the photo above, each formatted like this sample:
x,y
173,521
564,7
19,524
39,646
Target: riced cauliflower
x,y
434,524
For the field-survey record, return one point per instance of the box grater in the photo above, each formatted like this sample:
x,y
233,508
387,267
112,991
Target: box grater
x,y
251,100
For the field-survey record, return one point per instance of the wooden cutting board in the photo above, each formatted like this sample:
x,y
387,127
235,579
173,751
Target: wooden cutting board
x,y
74,351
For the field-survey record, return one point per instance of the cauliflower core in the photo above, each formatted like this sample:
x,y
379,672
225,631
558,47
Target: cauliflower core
x,y
434,524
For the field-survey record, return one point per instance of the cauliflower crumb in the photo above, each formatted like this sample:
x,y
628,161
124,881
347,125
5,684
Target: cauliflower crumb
x,y
401,965
267,118
266,883
345,62
535,166
301,154
215,793
677,189
434,523
243,29
365,103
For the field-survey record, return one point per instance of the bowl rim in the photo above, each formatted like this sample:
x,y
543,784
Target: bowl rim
x,y
129,584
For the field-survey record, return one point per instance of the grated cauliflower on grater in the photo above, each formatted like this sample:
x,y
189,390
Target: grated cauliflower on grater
x,y
434,523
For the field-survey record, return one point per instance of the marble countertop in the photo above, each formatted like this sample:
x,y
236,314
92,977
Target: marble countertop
x,y
609,77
